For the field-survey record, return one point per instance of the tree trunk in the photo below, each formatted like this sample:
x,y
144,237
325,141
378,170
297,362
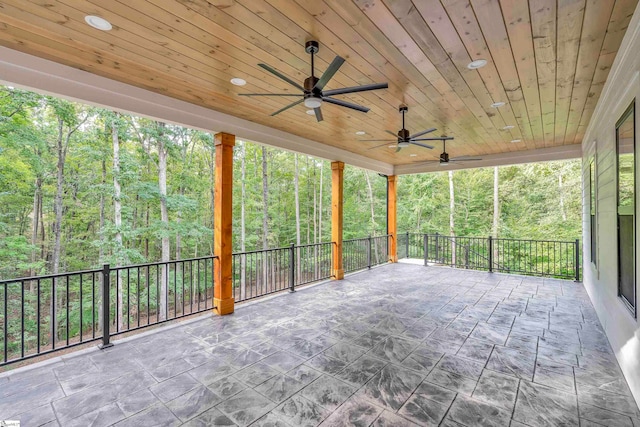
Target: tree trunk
x,y
243,230
496,211
37,195
452,225
265,215
102,242
117,218
164,218
296,189
561,193
373,216
61,151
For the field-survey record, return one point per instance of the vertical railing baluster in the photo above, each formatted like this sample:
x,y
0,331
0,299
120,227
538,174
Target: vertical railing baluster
x,y
490,254
577,263
22,318
81,309
106,335
67,309
38,313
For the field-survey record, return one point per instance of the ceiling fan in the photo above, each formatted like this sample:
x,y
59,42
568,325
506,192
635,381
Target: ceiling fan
x,y
404,139
445,159
313,94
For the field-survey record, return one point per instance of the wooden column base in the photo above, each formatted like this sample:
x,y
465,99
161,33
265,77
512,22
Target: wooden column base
x,y
223,306
393,259
337,274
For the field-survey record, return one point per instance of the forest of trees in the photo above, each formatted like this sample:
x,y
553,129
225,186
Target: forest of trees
x,y
81,186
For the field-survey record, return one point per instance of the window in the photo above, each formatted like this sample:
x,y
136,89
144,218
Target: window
x,y
626,186
592,210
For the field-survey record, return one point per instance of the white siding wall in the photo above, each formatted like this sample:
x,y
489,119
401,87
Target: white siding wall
x,y
621,88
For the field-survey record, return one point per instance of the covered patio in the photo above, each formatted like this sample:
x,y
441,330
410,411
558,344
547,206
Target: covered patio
x,y
395,345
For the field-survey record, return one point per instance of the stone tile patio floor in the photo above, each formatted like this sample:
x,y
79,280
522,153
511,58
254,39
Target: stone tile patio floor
x,y
399,345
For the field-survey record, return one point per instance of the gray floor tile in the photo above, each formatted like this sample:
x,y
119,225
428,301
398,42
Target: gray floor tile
x,y
157,415
105,416
541,405
478,351
174,387
470,412
389,419
356,411
255,374
497,389
345,352
360,371
326,364
423,411
452,381
460,366
491,333
514,362
279,388
227,387
213,417
193,403
283,361
328,392
245,407
603,417
392,386
299,411
394,349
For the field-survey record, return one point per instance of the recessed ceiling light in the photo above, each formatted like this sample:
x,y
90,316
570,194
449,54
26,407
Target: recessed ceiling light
x,y
392,146
98,22
497,104
311,112
238,81
516,140
478,63
508,127
413,155
360,132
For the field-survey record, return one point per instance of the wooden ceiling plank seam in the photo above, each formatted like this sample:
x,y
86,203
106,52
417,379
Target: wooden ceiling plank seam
x,y
411,19
518,26
197,17
322,29
440,23
107,45
618,24
567,45
379,15
543,27
367,29
470,32
597,16
41,29
356,118
327,16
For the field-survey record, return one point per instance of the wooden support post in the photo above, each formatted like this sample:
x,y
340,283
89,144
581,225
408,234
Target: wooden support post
x,y
223,302
392,218
337,211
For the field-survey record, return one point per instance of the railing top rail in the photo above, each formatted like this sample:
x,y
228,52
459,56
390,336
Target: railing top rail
x,y
571,242
151,264
49,276
497,238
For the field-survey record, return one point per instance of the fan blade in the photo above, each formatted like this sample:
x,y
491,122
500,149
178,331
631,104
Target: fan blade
x,y
442,138
293,104
378,146
355,89
268,94
424,132
391,133
329,72
430,147
345,104
281,76
378,140
318,114
464,159
398,149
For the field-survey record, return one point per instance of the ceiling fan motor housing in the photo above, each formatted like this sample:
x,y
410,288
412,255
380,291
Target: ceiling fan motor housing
x,y
311,46
403,135
444,157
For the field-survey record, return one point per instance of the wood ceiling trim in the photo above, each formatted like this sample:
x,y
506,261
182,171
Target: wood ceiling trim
x,y
543,30
594,29
463,18
570,17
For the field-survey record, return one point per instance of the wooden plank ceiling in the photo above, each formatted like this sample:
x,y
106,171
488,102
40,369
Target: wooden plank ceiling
x,y
547,61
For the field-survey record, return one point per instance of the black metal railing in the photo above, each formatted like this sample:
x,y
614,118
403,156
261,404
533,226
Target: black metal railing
x,y
263,272
43,314
545,258
358,254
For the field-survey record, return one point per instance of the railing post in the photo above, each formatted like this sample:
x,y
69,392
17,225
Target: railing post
x,y
490,254
106,334
437,248
369,253
407,246
466,257
426,248
577,249
292,270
